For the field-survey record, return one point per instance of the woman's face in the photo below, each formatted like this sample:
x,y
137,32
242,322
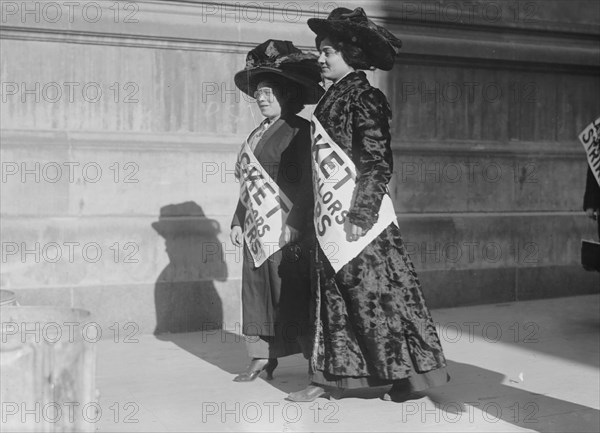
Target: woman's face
x,y
333,65
268,99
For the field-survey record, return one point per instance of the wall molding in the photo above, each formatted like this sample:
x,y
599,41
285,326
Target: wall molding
x,y
230,143
401,11
185,25
119,40
62,219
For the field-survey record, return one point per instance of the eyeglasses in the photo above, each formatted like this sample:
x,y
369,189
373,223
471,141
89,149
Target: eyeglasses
x,y
267,91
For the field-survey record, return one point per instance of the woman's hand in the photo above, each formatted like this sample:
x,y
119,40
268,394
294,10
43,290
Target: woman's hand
x,y
355,232
290,234
236,236
592,213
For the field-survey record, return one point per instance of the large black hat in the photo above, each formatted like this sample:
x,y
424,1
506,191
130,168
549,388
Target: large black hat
x,y
379,45
284,59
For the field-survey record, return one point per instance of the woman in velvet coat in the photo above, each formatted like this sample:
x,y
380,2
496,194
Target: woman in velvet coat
x,y
375,326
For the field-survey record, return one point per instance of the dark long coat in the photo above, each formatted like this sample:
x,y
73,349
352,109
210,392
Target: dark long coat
x,y
275,295
591,198
375,324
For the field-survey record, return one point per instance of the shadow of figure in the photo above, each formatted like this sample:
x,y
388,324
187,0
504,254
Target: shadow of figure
x,y
228,352
474,397
479,394
185,297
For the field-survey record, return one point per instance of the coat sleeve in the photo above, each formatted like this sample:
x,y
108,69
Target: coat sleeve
x,y
591,198
372,154
301,212
239,216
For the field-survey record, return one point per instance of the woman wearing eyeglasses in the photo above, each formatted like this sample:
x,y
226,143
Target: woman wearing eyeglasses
x,y
273,218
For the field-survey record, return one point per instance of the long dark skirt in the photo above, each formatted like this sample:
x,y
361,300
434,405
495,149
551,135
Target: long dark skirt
x,y
374,327
275,300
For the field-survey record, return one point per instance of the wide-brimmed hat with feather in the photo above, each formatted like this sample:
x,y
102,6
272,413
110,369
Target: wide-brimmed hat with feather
x,y
379,45
281,58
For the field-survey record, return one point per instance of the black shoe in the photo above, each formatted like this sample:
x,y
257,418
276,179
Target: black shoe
x,y
400,394
255,368
271,366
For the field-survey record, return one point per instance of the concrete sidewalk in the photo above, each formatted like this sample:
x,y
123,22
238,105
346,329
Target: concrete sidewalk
x,y
527,366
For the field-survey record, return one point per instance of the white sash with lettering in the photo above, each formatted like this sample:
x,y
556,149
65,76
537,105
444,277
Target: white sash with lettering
x,y
334,176
590,138
267,207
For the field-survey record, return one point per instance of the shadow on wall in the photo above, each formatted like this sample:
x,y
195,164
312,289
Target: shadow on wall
x,y
185,297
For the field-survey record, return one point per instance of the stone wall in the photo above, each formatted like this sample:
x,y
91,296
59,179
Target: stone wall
x,y
112,111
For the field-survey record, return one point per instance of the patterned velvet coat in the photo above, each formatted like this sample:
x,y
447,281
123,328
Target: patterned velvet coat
x,y
375,325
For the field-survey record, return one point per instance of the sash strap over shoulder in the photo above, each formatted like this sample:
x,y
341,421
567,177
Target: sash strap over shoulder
x,y
590,138
267,207
334,183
